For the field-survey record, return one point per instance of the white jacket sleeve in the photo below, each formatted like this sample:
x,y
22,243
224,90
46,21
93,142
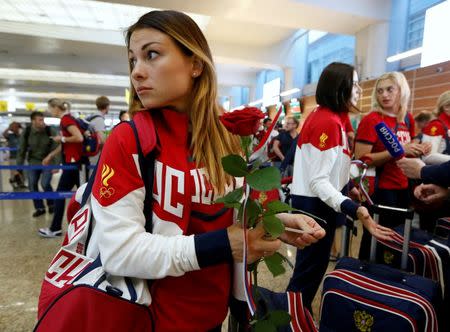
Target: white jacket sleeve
x,y
126,249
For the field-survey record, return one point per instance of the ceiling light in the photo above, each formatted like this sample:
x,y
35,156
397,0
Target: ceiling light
x,y
289,92
80,13
404,55
64,77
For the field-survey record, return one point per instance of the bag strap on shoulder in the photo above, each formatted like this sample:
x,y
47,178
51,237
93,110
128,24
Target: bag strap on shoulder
x,y
146,165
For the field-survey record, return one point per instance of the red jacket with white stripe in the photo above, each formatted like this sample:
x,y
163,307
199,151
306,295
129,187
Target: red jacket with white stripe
x,y
187,256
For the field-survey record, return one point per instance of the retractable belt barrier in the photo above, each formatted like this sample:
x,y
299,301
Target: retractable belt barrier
x,y
36,194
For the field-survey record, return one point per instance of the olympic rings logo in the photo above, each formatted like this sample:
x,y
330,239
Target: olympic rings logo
x,y
106,192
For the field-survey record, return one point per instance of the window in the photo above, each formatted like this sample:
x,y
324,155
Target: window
x,y
327,49
416,22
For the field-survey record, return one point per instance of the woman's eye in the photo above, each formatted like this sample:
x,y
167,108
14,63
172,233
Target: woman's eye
x,y
390,89
151,55
132,62
380,91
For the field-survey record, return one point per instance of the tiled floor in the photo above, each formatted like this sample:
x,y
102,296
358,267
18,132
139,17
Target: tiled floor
x,y
25,256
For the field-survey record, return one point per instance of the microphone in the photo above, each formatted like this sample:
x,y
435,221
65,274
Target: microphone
x,y
390,141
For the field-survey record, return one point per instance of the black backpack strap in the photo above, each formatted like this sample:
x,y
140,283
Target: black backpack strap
x,y
26,135
92,117
147,166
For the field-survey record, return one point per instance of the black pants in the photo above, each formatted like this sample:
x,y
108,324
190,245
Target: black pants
x,y
392,198
69,179
311,262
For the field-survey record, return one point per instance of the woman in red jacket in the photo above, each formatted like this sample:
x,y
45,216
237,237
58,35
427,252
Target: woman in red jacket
x,y
190,253
388,185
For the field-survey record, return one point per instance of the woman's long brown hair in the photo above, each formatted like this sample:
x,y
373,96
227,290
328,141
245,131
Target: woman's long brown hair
x,y
210,139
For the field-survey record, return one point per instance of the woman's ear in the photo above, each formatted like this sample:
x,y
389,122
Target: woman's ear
x,y
197,67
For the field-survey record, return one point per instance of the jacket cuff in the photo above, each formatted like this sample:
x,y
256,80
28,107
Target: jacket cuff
x,y
349,208
213,248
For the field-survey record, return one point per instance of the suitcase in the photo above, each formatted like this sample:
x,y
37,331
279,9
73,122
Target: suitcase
x,y
438,269
442,229
360,296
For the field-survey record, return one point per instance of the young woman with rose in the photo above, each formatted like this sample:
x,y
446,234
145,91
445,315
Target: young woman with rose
x,y
321,174
190,253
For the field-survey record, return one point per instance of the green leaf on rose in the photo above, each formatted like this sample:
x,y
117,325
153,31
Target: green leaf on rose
x,y
234,165
246,142
273,226
232,199
254,210
279,317
256,164
275,264
264,179
264,326
274,207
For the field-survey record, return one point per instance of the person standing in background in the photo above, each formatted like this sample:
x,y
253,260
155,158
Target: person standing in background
x,y
437,132
422,119
71,140
387,184
12,135
284,140
97,121
124,116
321,174
35,144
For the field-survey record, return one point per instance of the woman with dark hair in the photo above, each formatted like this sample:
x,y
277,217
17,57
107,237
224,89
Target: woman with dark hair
x,y
124,116
189,254
321,174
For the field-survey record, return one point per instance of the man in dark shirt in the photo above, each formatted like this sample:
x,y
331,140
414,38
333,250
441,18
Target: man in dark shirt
x,y
284,141
34,145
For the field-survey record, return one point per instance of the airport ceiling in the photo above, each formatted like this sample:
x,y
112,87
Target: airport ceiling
x,y
77,46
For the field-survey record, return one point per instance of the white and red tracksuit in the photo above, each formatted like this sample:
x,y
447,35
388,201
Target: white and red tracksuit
x,y
187,256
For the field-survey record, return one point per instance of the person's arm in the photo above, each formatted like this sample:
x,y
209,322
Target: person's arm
x,y
436,174
48,159
22,149
434,157
431,193
364,150
75,136
276,149
124,245
321,160
98,123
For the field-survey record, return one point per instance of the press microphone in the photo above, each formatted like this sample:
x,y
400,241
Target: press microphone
x,y
390,141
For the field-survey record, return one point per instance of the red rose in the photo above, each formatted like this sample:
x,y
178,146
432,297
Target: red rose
x,y
243,122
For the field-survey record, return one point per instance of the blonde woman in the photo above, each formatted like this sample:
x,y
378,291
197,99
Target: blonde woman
x,y
71,148
190,252
388,185
437,132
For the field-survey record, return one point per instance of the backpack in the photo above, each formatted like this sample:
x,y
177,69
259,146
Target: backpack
x,y
91,138
75,293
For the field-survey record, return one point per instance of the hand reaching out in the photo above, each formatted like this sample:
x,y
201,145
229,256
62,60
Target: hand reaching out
x,y
431,193
380,232
313,231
